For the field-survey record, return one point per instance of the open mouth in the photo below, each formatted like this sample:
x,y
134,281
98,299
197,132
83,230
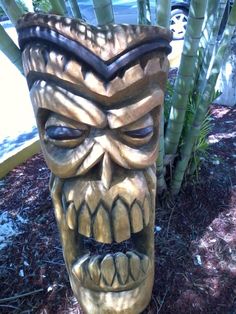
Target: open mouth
x,y
110,256
110,267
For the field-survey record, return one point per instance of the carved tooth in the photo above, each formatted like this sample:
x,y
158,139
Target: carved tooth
x,y
121,262
133,74
94,269
79,267
71,216
152,67
144,263
108,269
146,209
134,263
116,283
136,217
84,221
121,224
101,226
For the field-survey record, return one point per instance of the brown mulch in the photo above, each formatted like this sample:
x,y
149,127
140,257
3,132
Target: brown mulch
x,y
195,238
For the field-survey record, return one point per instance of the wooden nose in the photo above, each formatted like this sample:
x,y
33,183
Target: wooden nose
x,y
106,171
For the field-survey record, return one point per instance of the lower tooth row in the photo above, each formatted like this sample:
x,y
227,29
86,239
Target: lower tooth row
x,y
112,270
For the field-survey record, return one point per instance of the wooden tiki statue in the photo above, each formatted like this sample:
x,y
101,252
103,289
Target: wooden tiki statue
x,y
97,94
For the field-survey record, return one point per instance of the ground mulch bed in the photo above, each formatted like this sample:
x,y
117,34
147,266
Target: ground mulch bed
x,y
195,238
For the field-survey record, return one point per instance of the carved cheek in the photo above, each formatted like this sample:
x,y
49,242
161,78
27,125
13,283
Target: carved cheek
x,y
64,162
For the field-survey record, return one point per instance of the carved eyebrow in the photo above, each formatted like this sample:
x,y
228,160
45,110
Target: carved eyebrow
x,y
126,115
107,69
57,99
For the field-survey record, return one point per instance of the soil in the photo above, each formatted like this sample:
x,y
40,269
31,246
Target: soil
x,y
195,238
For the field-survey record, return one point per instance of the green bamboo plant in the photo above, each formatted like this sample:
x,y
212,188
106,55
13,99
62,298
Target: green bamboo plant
x,y
183,82
144,12
104,11
12,10
163,8
203,101
8,47
184,121
58,7
204,63
75,9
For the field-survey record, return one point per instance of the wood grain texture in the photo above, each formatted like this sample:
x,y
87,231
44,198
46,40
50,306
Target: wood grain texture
x,y
99,135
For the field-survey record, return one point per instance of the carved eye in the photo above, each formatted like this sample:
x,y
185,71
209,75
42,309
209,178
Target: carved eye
x,y
140,133
63,133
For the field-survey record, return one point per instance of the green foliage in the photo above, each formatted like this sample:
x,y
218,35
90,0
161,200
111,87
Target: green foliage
x,y
42,6
200,148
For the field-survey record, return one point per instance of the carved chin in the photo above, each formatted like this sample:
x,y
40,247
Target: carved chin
x,y
107,238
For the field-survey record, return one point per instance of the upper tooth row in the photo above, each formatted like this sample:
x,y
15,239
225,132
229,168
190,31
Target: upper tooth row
x,y
113,270
108,227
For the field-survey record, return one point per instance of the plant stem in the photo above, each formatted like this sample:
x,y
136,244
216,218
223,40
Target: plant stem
x,y
104,11
58,7
163,9
75,9
144,13
20,295
161,183
205,36
8,47
211,45
183,81
203,103
12,10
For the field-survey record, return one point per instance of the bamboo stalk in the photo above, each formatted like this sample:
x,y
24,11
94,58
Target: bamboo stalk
x,y
161,183
211,45
104,11
203,103
163,9
75,9
183,81
144,12
210,13
58,7
12,10
8,47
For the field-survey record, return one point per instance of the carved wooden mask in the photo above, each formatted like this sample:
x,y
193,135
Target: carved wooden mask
x,y
97,95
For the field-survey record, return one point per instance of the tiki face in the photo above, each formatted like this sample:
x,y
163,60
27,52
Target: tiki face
x,y
97,95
